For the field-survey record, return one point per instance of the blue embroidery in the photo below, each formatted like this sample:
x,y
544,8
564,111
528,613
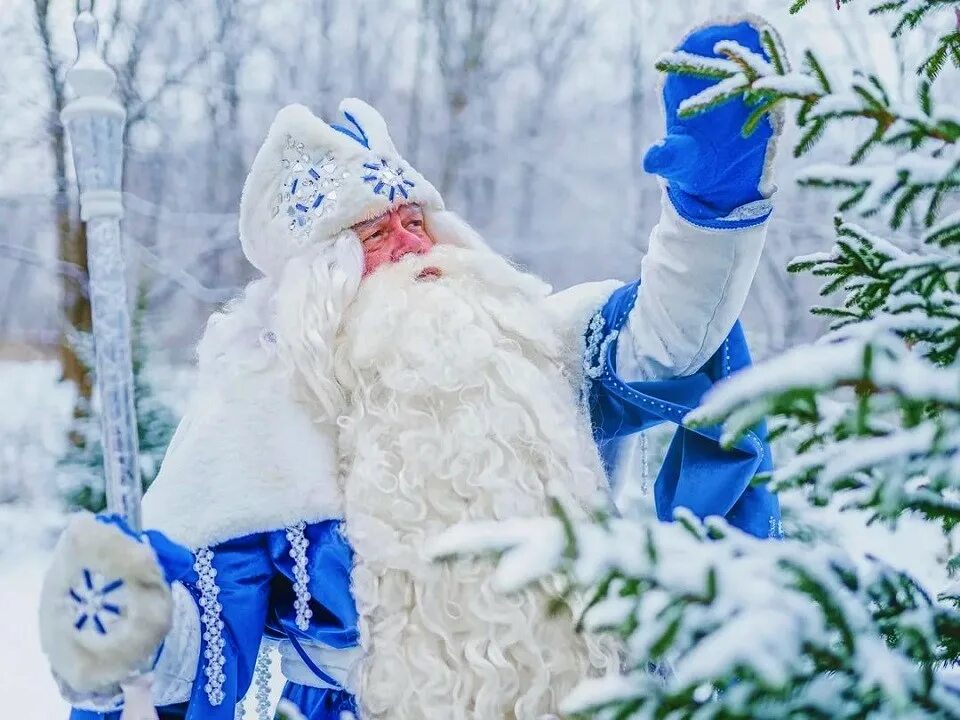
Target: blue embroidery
x,y
387,180
309,190
360,136
92,606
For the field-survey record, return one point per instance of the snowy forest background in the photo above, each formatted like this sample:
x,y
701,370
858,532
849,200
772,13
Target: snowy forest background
x,y
531,117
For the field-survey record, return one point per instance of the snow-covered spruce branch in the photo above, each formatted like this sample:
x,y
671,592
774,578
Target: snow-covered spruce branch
x,y
894,187
914,294
909,14
717,624
875,425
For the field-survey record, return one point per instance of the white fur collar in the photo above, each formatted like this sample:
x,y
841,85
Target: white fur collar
x,y
247,457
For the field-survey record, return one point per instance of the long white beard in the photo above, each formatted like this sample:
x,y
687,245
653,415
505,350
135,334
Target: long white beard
x,y
457,411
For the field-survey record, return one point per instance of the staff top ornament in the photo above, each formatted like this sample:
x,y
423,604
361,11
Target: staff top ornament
x,y
311,180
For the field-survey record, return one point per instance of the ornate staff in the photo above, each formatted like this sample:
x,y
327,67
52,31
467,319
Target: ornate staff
x,y
94,121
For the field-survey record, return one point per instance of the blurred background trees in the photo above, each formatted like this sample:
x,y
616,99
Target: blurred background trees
x,y
531,116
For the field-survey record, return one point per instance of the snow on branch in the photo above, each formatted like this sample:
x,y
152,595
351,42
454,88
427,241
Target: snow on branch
x,y
883,362
708,614
895,186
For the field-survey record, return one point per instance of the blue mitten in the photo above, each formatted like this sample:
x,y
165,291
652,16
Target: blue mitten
x,y
715,177
106,604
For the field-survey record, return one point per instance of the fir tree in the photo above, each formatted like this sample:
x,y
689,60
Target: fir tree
x,y
717,624
82,466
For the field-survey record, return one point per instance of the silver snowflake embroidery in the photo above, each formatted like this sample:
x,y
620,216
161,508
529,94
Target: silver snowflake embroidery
x,y
93,607
387,180
309,189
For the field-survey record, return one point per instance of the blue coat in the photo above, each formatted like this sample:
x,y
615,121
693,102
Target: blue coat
x,y
255,572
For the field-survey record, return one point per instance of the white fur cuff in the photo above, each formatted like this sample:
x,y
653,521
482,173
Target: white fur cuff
x,y
105,607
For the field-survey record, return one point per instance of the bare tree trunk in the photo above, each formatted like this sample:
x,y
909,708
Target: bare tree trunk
x,y
325,19
558,28
414,131
637,114
71,234
360,53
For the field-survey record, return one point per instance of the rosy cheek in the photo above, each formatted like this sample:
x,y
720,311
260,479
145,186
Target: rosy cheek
x,y
372,259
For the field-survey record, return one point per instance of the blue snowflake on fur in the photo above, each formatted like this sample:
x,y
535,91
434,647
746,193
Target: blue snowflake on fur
x,y
309,189
93,607
387,180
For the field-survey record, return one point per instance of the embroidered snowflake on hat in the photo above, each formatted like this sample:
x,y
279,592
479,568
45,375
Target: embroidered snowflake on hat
x,y
387,180
310,189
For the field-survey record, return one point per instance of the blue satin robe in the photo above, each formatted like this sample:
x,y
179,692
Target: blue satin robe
x,y
255,572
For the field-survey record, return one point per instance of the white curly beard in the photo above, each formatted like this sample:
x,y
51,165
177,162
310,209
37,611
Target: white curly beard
x,y
457,411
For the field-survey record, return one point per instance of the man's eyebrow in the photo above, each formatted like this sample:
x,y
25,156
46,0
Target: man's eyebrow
x,y
369,223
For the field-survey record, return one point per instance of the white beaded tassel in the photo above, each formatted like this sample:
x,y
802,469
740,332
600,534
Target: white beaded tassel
x,y
262,676
301,578
212,625
644,465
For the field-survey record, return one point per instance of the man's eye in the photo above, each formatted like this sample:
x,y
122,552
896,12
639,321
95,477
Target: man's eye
x,y
374,236
415,224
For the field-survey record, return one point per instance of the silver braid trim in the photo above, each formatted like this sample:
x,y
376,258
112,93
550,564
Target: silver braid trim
x,y
212,625
301,578
261,681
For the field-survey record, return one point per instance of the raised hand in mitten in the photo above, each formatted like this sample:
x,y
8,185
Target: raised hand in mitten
x,y
106,603
715,176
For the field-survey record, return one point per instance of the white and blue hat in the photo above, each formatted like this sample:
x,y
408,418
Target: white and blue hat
x,y
311,180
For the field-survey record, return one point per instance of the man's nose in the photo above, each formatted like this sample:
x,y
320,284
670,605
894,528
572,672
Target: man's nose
x,y
407,242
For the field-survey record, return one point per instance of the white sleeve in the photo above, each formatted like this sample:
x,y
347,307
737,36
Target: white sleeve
x,y
176,668
693,284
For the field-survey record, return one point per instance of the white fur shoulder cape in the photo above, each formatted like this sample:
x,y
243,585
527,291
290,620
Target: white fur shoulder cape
x,y
249,455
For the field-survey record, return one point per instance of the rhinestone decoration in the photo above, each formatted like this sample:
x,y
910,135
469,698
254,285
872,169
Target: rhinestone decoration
x,y
94,610
387,180
301,578
750,211
310,188
594,357
261,680
212,625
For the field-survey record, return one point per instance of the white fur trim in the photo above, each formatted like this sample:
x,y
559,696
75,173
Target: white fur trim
x,y
86,660
265,235
571,310
248,457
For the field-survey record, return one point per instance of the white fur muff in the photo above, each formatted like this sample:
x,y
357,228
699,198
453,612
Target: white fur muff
x,y
95,633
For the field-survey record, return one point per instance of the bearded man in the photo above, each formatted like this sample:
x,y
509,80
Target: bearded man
x,y
389,377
